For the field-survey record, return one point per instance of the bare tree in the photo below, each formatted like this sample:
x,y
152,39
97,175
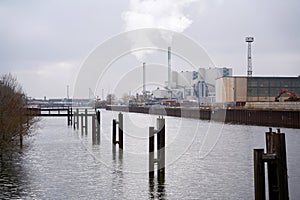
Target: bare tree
x,y
15,120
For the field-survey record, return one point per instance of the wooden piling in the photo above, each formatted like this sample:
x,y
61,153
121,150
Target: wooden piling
x,y
277,168
114,132
161,147
81,124
71,119
68,116
93,130
160,141
86,121
98,127
151,152
259,174
120,130
98,117
74,120
77,118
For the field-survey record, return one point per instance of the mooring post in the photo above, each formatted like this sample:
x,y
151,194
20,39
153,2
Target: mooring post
x,y
161,148
114,130
259,174
77,118
71,113
68,116
74,119
93,130
277,168
86,121
81,123
98,127
151,152
98,117
120,130
158,141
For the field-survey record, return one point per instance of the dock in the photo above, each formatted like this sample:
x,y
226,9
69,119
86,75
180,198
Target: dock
x,y
235,115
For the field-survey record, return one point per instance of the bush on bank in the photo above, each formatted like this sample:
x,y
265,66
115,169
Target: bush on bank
x,y
15,123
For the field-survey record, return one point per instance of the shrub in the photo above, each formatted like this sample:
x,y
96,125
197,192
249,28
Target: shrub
x,y
15,121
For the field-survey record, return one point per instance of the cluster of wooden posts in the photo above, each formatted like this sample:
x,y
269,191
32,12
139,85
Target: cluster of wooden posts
x,y
160,143
156,137
82,117
114,131
275,157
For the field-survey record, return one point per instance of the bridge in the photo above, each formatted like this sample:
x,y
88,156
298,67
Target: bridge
x,y
52,112
62,111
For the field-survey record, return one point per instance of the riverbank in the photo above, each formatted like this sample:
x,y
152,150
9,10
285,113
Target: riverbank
x,y
238,115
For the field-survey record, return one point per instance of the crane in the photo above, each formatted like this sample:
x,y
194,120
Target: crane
x,y
293,96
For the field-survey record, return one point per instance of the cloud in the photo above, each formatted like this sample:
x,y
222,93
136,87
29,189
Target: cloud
x,y
47,79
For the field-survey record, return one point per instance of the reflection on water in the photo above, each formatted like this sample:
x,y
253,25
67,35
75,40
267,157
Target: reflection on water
x,y
63,164
117,181
157,187
11,179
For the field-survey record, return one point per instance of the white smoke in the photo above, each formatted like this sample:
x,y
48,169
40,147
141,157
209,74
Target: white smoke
x,y
164,14
161,14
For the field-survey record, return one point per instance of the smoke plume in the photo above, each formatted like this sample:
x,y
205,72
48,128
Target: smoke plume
x,y
161,14
164,14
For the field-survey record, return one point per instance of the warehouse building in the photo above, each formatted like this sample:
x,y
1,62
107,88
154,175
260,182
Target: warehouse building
x,y
240,90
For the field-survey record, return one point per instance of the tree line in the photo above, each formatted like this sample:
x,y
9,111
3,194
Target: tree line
x,y
15,121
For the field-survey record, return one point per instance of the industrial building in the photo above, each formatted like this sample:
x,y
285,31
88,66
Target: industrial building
x,y
206,82
257,89
197,85
188,85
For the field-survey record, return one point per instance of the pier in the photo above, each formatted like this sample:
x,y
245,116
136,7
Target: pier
x,y
53,112
235,115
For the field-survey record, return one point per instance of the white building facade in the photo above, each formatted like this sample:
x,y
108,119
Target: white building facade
x,y
195,85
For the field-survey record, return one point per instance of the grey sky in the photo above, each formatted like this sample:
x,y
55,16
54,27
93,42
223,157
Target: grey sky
x,y
44,43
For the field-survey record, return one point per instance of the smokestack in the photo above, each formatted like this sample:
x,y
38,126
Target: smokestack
x,y
169,69
144,78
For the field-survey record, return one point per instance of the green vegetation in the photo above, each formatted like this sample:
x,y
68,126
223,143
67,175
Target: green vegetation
x,y
14,119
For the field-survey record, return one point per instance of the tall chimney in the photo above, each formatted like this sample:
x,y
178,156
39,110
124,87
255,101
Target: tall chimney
x,y
144,78
169,69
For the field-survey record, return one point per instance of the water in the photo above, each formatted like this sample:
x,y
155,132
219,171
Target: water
x,y
205,160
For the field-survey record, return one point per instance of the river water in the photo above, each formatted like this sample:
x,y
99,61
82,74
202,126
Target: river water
x,y
204,160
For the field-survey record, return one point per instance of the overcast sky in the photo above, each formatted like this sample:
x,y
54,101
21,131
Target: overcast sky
x,y
44,43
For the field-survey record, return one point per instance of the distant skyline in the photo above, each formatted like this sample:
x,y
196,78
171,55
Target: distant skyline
x,y
44,43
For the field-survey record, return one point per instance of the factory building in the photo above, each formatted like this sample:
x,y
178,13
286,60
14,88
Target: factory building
x,y
182,85
257,89
195,85
206,82
210,75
